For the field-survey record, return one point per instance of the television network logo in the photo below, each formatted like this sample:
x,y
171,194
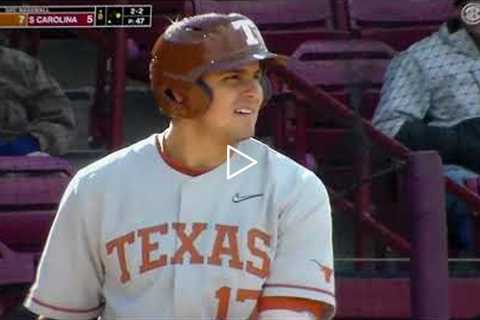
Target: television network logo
x,y
471,13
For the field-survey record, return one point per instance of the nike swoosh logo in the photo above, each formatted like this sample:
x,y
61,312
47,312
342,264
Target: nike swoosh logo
x,y
238,198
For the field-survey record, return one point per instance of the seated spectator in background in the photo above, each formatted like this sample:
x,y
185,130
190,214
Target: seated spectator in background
x,y
431,101
35,114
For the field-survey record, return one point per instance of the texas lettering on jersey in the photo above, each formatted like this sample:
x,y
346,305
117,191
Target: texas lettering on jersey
x,y
226,243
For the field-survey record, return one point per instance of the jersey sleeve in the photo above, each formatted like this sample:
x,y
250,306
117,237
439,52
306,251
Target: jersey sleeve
x,y
69,277
318,310
285,314
303,264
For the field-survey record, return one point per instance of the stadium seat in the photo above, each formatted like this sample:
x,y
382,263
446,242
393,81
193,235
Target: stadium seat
x,y
17,270
32,182
284,23
343,66
398,23
343,50
22,238
25,231
474,185
15,267
35,165
30,190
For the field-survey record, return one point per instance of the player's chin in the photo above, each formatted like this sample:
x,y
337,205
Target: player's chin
x,y
243,133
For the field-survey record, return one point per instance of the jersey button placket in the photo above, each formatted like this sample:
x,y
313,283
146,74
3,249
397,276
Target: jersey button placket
x,y
183,216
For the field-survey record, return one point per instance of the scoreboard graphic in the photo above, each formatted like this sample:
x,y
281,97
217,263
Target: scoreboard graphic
x,y
115,16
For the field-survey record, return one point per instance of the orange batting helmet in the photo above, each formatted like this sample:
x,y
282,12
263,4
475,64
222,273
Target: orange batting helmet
x,y
196,45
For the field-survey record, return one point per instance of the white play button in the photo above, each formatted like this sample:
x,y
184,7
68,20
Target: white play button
x,y
235,171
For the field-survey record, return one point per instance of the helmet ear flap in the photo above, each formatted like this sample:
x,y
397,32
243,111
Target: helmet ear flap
x,y
172,107
169,95
165,99
196,98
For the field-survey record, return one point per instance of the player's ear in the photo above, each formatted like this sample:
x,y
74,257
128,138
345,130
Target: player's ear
x,y
174,96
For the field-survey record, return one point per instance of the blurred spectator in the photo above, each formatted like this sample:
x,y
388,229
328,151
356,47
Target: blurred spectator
x,y
138,59
431,101
35,114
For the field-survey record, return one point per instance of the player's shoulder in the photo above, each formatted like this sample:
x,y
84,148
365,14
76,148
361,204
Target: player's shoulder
x,y
287,179
280,167
121,163
267,155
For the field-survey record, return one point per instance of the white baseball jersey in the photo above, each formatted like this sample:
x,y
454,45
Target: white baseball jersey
x,y
136,239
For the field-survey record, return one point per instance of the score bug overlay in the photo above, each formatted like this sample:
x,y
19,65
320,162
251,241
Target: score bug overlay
x,y
114,16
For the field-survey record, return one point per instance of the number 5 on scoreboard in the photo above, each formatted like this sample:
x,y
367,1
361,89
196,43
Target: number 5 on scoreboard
x,y
90,19
223,296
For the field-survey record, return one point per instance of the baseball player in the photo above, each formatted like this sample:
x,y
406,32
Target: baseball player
x,y
157,231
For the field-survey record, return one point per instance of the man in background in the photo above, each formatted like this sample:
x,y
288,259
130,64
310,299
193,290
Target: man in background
x,y
430,101
35,114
